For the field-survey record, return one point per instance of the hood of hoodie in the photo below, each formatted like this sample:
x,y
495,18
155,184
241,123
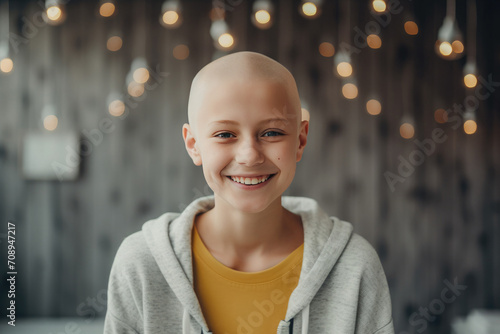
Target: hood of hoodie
x,y
169,240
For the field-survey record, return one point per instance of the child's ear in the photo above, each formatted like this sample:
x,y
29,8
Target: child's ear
x,y
304,129
190,142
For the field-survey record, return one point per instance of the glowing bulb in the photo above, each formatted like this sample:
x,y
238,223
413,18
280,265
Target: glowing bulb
x,y
107,9
445,48
181,52
344,69
54,13
411,28
373,107
116,108
326,49
350,91
170,17
309,9
226,40
374,41
406,130
141,75
6,65
440,115
379,6
50,122
457,46
262,16
135,89
470,80
470,126
114,43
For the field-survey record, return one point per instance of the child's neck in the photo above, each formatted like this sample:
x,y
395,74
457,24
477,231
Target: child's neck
x,y
250,241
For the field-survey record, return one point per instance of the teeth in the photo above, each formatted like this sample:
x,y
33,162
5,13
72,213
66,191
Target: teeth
x,y
248,180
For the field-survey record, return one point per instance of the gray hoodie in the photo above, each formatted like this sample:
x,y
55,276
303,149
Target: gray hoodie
x,y
342,286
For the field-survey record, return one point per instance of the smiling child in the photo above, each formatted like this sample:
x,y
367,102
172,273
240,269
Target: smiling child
x,y
247,259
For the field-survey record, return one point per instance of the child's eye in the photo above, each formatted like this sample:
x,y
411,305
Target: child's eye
x,y
223,135
273,133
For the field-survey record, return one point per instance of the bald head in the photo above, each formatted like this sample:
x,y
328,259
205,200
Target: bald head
x,y
241,67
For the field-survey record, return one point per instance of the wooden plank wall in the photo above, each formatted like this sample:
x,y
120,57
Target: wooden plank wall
x,y
441,224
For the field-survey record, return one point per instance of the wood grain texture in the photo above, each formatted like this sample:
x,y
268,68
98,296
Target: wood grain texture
x,y
441,223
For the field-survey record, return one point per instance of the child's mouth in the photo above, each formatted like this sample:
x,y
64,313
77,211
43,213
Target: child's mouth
x,y
251,182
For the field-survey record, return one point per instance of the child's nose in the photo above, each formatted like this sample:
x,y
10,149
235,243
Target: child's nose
x,y
249,153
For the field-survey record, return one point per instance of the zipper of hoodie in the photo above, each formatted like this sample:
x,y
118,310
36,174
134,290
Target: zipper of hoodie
x,y
290,329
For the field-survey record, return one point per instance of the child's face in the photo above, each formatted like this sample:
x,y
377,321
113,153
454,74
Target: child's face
x,y
234,137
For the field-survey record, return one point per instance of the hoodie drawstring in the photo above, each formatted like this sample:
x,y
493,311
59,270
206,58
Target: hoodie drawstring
x,y
305,320
185,322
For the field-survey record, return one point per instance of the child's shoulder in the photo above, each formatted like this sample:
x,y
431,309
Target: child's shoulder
x,y
133,251
359,253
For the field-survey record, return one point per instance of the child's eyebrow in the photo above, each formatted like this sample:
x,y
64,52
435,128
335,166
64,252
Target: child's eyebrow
x,y
269,120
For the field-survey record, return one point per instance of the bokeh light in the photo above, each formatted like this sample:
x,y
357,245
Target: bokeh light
x,y
116,108
445,48
379,6
181,52
114,43
170,17
50,122
226,40
411,28
344,69
350,91
135,89
326,49
470,127
406,130
309,9
441,115
107,9
470,80
6,65
141,75
374,41
373,107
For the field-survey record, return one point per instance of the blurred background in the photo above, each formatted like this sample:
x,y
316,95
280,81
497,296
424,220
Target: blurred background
x,y
404,141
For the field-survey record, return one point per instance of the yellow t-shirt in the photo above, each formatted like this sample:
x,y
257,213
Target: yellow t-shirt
x,y
236,302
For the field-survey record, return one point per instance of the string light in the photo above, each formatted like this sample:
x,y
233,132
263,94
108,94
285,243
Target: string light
x,y
379,6
350,89
310,9
50,120
406,129
441,115
470,71
107,8
116,106
470,68
223,39
374,41
6,63
181,52
342,63
470,125
171,16
135,89
114,43
373,107
262,16
55,12
411,28
139,70
449,44
326,49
